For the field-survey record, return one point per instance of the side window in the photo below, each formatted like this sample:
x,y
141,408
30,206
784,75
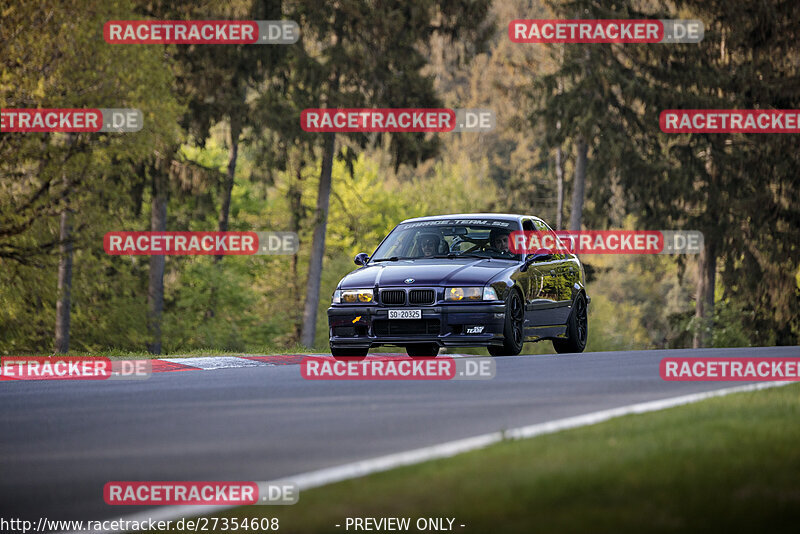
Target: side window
x,y
527,226
542,227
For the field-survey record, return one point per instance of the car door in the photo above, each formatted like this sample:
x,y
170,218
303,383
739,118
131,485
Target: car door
x,y
560,272
542,295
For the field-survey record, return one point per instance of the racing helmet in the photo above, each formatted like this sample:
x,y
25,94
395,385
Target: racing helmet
x,y
426,237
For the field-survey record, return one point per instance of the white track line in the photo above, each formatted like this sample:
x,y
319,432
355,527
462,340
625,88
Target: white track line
x,y
322,477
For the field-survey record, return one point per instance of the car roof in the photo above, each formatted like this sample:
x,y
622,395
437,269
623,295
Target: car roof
x,y
455,216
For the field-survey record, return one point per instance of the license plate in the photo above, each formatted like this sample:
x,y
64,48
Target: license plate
x,y
405,314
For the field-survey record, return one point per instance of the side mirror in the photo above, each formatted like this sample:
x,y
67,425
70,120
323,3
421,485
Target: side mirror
x,y
361,258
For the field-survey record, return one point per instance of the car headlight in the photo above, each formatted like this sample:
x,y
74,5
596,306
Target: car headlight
x,y
353,296
463,293
489,293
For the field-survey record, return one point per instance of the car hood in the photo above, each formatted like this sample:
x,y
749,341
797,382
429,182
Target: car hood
x,y
438,272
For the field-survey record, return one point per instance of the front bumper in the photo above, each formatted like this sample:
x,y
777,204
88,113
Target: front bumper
x,y
457,325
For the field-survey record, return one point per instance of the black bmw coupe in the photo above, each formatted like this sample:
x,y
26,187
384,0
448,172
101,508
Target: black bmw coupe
x,y
451,280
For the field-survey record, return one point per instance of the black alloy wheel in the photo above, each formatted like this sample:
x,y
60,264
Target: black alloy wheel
x,y
513,336
577,328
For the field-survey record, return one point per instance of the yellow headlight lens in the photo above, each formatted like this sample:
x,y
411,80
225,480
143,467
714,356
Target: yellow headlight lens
x,y
351,296
464,293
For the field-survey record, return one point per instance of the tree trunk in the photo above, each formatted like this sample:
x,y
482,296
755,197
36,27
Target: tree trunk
x,y
64,281
560,182
296,204
579,185
155,290
706,282
318,245
707,261
227,188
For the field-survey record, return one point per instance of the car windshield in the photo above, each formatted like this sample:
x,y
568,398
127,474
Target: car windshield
x,y
449,238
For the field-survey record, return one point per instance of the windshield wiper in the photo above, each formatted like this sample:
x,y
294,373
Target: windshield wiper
x,y
393,258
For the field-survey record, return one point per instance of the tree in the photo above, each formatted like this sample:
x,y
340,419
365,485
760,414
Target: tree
x,y
218,81
59,60
214,82
735,188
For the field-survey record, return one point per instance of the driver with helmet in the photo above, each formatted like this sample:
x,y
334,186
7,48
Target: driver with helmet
x,y
498,240
429,244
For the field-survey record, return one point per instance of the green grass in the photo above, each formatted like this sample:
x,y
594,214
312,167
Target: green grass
x,y
729,464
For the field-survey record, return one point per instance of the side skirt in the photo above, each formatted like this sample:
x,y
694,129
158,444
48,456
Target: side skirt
x,y
545,332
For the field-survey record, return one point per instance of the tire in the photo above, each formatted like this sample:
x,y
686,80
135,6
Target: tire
x,y
344,353
513,334
418,350
577,329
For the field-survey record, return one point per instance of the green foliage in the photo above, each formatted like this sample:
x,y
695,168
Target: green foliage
x,y
636,301
730,328
740,190
415,53
231,289
61,61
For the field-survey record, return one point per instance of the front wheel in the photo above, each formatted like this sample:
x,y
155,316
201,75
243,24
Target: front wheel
x,y
577,329
512,331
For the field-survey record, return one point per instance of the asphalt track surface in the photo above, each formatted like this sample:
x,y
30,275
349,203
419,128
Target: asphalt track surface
x,y
61,441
